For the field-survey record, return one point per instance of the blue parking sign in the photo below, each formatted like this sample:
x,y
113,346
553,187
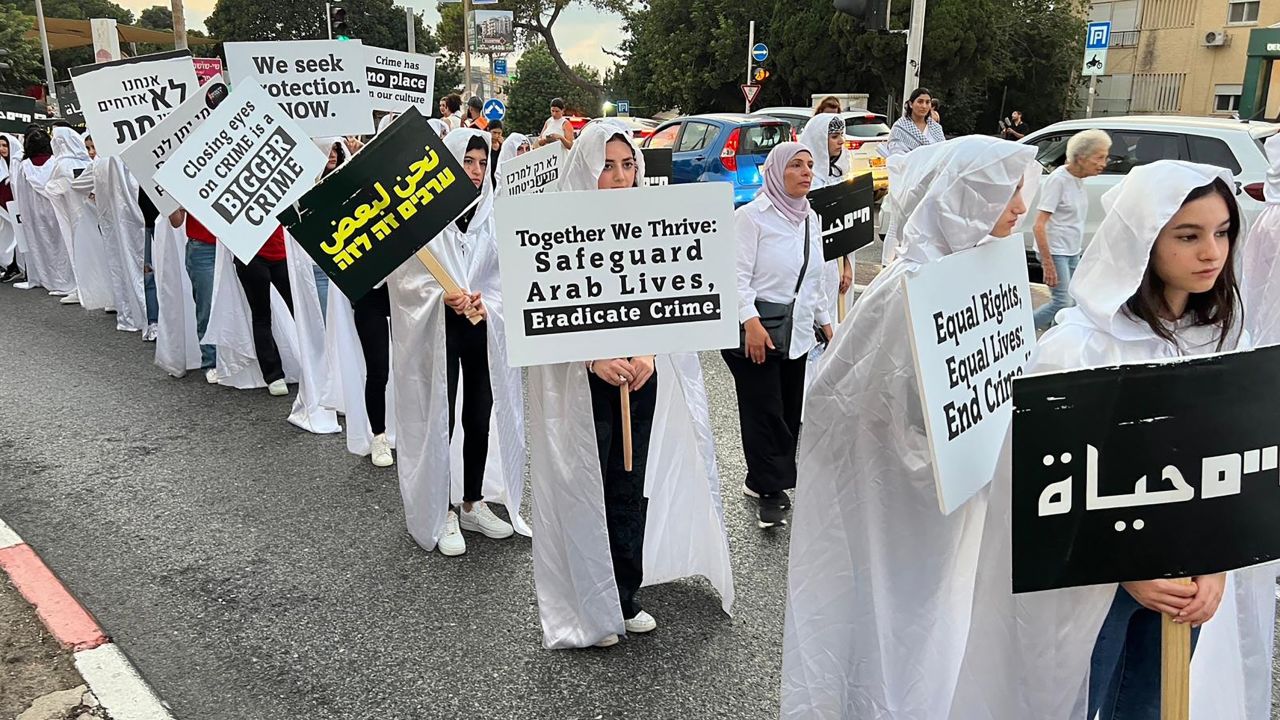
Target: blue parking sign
x,y
500,66
1099,37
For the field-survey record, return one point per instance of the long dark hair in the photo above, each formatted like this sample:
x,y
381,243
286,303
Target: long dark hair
x,y
1218,306
915,95
37,142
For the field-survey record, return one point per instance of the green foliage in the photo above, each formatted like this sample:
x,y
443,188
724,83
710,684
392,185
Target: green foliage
x,y
157,17
375,22
72,10
538,81
26,67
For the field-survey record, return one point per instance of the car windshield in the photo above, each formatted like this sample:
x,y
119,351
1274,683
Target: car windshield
x,y
760,139
853,127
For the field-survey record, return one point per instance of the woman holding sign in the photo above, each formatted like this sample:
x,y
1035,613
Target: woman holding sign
x,y
603,530
1158,282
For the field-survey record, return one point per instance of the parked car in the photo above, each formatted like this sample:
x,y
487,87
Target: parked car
x,y
863,132
720,147
1140,139
641,128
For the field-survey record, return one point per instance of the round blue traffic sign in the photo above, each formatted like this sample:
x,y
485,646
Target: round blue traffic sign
x,y
494,109
759,52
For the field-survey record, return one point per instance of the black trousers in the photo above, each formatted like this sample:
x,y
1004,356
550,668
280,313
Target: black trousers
x,y
770,397
256,278
625,505
372,314
467,351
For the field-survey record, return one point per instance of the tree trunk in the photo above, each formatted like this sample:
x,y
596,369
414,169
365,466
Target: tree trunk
x,y
544,31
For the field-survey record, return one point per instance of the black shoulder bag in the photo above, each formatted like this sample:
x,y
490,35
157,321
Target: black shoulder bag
x,y
777,318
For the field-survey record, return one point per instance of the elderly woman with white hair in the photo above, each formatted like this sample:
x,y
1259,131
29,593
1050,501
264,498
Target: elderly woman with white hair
x,y
1062,208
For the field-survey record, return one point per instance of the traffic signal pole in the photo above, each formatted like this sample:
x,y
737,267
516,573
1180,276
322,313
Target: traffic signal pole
x,y
751,43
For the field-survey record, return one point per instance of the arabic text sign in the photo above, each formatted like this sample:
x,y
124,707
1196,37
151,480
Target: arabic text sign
x,y
69,103
971,334
241,167
16,113
845,211
400,80
145,157
319,83
369,217
533,172
1114,468
122,100
617,273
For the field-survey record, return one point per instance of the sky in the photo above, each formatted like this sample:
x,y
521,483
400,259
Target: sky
x,y
580,31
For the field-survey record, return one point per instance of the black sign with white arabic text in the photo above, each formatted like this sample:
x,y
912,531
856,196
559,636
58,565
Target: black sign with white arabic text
x,y
363,221
69,104
16,113
845,210
657,166
1143,471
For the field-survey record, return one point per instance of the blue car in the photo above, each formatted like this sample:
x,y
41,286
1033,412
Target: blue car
x,y
720,147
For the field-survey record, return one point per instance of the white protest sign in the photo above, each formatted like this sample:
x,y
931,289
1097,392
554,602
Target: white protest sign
x,y
533,172
241,167
400,80
146,156
319,83
617,273
971,334
123,100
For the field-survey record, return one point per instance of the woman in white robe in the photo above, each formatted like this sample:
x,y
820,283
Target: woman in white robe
x,y
1260,260
48,259
1030,655
123,233
69,188
11,262
880,581
513,146
683,525
824,136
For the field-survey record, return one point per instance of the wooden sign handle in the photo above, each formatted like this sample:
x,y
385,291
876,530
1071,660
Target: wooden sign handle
x,y
626,427
442,276
1175,667
840,297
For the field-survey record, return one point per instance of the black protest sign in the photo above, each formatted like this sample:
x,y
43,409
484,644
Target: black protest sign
x,y
16,113
69,103
845,211
657,166
1146,471
364,220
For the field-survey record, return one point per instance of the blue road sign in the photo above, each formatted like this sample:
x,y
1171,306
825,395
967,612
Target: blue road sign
x,y
624,107
500,66
494,109
1099,37
759,52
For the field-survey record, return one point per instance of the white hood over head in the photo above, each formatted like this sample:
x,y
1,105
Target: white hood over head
x,y
457,141
585,161
814,137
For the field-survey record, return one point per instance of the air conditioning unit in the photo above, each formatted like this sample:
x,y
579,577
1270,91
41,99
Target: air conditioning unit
x,y
1215,38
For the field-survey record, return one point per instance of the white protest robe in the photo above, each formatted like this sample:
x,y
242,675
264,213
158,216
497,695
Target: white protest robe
x,y
510,150
9,250
1028,655
344,391
48,258
123,234
309,411
1260,260
177,344
419,363
78,218
231,328
880,581
684,529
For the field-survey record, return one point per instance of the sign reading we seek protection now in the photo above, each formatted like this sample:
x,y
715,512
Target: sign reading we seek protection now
x,y
971,335
617,273
320,83
124,99
241,167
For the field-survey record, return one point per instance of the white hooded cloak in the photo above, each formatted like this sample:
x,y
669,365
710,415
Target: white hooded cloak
x,y
684,531
48,259
123,231
177,343
9,250
1029,654
1260,260
78,219
510,150
880,582
814,137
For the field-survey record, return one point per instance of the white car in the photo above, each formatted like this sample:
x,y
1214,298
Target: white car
x,y
1140,139
863,133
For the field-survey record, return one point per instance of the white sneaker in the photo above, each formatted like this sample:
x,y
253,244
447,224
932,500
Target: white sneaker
x,y
57,293
278,388
749,492
451,542
641,623
608,641
151,333
72,299
22,285
380,453
482,520
211,376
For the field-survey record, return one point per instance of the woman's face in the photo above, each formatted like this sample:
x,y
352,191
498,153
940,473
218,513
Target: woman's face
x,y
522,149
476,163
1094,164
797,177
4,148
333,160
1192,249
619,166
93,151
921,107
1009,218
835,143
557,113
444,108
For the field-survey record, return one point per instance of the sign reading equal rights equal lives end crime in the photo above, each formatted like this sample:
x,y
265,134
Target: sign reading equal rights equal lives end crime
x,y
124,99
367,218
617,273
320,83
240,168
971,335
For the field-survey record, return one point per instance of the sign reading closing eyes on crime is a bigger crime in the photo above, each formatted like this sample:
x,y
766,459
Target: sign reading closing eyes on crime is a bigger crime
x,y
124,99
366,219
241,167
399,80
320,83
618,273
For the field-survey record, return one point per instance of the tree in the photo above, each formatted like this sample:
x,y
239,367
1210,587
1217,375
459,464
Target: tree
x,y
157,17
537,82
26,66
72,10
375,22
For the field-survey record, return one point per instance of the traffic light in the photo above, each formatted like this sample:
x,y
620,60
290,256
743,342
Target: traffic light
x,y
874,13
759,75
338,21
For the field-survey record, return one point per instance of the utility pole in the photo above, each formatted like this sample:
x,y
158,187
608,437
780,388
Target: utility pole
x,y
915,48
751,43
466,46
410,30
179,25
48,65
1093,92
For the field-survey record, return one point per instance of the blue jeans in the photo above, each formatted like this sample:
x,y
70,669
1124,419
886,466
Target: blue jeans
x,y
1124,672
149,279
322,288
200,259
1058,298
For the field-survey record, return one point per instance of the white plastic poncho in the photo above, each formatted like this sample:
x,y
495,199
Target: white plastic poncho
x,y
177,343
9,250
814,137
684,530
419,364
880,582
48,257
1260,260
78,219
1028,655
510,149
123,234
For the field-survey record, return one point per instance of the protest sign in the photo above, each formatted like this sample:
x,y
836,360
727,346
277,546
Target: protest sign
x,y
1114,468
123,99
319,83
396,194
533,172
208,69
19,228
845,212
618,273
971,335
145,157
657,166
16,112
236,171
69,103
400,80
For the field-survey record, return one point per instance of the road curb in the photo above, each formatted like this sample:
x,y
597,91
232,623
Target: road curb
x,y
119,687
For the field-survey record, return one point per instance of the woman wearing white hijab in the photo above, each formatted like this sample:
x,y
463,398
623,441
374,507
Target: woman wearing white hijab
x,y
123,232
78,220
446,368
1260,260
880,581
11,256
49,260
603,532
514,146
824,136
1141,295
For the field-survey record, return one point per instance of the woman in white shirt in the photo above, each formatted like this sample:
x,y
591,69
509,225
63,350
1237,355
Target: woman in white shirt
x,y
780,288
557,128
